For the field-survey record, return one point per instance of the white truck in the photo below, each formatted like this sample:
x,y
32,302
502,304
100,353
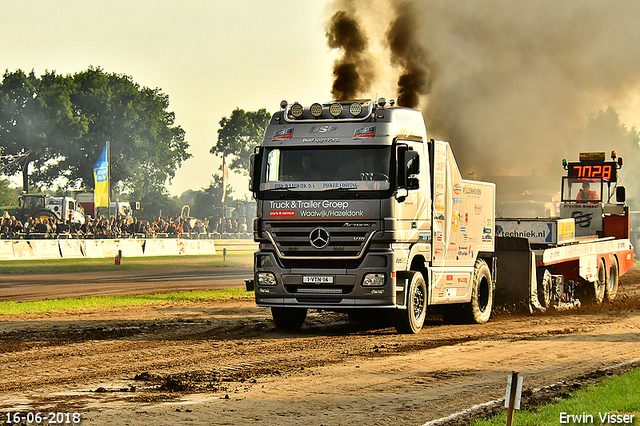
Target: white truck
x,y
357,210
117,209
65,208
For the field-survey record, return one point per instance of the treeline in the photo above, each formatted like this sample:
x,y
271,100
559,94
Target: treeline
x,y
64,122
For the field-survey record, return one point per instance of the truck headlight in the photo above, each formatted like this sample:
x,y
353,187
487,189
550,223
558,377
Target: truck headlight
x,y
266,278
373,280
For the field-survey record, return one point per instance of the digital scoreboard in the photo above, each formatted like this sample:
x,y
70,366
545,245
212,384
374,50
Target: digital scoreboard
x,y
607,171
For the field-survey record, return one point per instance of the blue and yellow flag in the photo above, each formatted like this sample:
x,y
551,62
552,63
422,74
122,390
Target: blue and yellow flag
x,y
101,178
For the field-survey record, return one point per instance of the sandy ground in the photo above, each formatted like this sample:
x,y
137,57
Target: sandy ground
x,y
224,363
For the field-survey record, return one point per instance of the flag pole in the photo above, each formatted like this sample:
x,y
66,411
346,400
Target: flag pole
x,y
108,180
224,191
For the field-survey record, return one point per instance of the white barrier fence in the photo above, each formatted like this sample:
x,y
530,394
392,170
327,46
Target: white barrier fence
x,y
58,249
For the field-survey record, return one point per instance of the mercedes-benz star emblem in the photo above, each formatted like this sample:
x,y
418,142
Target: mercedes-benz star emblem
x,y
319,238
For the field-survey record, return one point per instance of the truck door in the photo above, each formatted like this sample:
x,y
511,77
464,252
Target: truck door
x,y
440,204
414,214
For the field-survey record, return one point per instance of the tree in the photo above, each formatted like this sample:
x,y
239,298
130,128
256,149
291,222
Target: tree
x,y
36,116
6,193
146,146
238,135
605,132
66,120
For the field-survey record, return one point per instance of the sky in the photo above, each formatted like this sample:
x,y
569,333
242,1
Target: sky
x,y
511,74
208,56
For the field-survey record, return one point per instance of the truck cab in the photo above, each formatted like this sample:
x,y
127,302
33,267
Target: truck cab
x,y
592,197
65,208
358,210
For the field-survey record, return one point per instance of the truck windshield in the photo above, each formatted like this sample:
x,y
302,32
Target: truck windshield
x,y
326,168
584,190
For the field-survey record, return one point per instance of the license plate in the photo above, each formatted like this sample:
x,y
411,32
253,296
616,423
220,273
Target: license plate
x,y
317,279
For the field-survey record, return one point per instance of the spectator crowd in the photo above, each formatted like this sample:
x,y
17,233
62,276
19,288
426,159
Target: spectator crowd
x,y
122,227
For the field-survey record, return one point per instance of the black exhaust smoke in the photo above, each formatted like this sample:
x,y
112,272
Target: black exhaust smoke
x,y
415,78
353,71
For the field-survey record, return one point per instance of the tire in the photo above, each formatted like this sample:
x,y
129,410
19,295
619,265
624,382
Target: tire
x,y
289,318
595,290
44,213
478,310
611,289
411,320
545,289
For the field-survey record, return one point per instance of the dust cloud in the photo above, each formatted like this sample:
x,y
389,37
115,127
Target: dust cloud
x,y
512,85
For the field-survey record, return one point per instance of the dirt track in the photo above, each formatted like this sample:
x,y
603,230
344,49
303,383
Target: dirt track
x,y
225,363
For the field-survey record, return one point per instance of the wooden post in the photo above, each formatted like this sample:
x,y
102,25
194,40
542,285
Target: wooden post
x,y
512,397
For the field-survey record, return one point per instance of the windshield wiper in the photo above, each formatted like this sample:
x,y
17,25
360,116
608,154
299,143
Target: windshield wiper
x,y
341,189
281,188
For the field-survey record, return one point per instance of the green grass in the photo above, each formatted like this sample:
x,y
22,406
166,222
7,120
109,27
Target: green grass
x,y
614,395
127,263
105,302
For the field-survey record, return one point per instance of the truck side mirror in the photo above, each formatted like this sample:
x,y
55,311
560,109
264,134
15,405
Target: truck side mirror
x,y
621,194
412,168
255,160
408,168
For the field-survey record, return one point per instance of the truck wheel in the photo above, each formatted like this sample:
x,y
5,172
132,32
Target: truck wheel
x,y
612,283
478,310
545,289
410,320
289,318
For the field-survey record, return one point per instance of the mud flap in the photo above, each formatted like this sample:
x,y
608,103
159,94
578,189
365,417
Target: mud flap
x,y
534,301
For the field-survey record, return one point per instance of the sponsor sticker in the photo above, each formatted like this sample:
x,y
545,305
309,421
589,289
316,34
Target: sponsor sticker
x,y
282,213
283,134
366,132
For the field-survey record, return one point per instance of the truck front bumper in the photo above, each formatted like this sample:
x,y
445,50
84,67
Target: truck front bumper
x,y
327,288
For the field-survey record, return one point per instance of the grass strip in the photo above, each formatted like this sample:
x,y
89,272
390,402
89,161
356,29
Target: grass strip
x,y
606,402
105,302
128,263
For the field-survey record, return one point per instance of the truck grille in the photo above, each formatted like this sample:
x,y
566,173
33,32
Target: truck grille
x,y
336,240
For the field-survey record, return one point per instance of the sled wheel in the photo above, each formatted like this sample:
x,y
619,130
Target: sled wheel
x,y
545,289
289,318
410,320
612,283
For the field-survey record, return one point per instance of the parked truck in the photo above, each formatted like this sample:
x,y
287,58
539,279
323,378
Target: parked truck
x,y
39,205
116,209
357,210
